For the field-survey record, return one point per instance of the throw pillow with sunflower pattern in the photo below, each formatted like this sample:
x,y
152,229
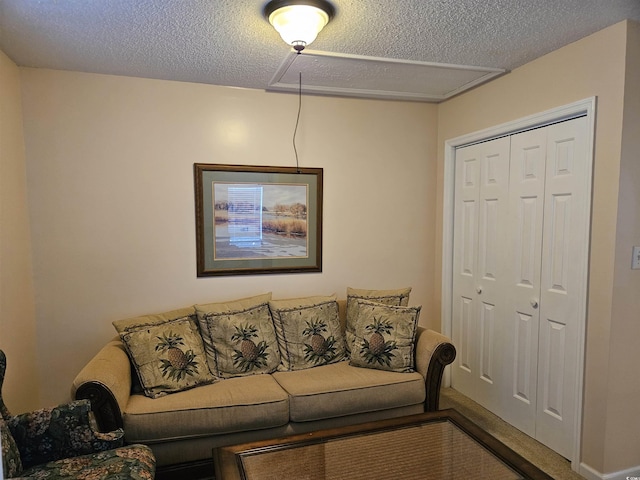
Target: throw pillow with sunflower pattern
x,y
384,337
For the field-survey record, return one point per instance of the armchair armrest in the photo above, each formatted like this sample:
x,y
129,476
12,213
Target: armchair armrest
x,y
106,382
64,431
434,351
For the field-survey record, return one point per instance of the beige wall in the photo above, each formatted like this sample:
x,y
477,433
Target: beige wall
x,y
593,66
623,387
17,317
110,178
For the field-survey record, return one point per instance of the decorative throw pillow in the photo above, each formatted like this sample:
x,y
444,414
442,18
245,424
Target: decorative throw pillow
x,y
308,330
241,343
127,324
232,306
385,337
399,297
168,354
11,462
218,344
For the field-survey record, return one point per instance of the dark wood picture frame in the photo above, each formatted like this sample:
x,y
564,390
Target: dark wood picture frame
x,y
257,219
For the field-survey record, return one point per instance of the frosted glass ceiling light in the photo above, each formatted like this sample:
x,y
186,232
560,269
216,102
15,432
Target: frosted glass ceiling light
x,y
298,21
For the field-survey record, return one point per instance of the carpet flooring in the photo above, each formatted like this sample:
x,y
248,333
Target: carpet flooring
x,y
544,458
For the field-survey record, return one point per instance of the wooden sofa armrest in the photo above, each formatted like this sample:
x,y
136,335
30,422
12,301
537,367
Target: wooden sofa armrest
x,y
434,351
106,382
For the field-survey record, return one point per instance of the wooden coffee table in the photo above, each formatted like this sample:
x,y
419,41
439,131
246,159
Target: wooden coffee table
x,y
436,445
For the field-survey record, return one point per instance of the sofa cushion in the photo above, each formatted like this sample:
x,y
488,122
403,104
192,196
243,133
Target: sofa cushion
x,y
309,332
234,405
341,389
385,337
398,297
168,357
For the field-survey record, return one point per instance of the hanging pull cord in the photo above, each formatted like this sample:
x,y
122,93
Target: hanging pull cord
x,y
295,131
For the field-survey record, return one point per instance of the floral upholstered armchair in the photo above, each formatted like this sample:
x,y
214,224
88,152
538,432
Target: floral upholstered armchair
x,y
63,443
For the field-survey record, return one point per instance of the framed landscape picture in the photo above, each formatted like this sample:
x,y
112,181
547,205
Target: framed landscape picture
x,y
255,220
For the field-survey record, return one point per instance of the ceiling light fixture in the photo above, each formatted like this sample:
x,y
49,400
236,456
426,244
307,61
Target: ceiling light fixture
x,y
298,21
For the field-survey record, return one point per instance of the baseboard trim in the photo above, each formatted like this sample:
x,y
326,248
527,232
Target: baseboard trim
x,y
591,474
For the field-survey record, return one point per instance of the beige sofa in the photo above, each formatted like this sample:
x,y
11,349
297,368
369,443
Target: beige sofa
x,y
182,428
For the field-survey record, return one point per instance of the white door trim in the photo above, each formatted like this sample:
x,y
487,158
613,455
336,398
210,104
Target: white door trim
x,y
586,107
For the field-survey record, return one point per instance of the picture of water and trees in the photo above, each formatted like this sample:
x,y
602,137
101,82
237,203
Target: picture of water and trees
x,y
254,221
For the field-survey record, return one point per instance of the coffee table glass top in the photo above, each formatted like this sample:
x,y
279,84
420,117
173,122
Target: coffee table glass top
x,y
438,445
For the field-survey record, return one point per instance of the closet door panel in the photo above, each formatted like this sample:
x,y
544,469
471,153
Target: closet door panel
x,y
464,339
554,336
482,174
526,242
487,342
523,389
563,275
467,188
526,200
492,268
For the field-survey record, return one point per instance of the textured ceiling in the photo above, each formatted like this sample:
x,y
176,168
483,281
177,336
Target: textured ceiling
x,y
228,42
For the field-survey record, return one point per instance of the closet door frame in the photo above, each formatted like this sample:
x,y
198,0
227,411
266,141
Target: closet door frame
x,y
586,108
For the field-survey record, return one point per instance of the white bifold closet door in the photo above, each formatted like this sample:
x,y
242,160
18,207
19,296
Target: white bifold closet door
x,y
480,243
519,263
